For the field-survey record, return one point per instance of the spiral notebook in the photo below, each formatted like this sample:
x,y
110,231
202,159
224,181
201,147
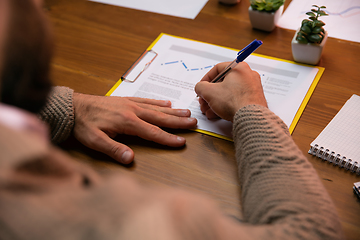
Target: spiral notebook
x,y
339,142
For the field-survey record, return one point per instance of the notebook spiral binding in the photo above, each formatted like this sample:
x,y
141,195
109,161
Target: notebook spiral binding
x,y
336,159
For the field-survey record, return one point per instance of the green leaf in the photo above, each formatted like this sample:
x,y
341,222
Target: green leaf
x,y
269,8
312,18
311,14
319,23
276,6
301,39
300,34
266,5
310,25
322,7
323,13
315,6
317,30
315,38
305,29
313,25
305,22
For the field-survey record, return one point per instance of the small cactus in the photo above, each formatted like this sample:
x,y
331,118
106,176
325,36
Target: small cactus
x,y
312,30
266,5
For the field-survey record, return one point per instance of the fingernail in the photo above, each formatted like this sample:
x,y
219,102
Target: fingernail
x,y
185,111
191,119
126,157
180,139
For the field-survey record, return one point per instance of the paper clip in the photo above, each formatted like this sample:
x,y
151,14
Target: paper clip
x,y
139,66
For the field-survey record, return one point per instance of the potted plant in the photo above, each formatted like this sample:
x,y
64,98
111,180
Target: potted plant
x,y
309,40
264,14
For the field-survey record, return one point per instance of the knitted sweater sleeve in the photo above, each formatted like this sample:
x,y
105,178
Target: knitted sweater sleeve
x,y
58,113
278,185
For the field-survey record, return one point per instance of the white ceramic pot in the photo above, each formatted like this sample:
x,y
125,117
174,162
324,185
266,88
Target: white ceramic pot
x,y
263,20
309,53
229,1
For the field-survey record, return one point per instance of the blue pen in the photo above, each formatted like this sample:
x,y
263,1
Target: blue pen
x,y
242,54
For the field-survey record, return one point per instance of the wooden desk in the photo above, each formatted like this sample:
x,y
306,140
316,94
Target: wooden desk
x,y
96,44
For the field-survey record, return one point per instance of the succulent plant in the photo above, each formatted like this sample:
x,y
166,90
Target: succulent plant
x,y
266,5
312,30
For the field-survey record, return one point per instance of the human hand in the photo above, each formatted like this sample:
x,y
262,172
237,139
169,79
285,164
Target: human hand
x,y
98,119
240,87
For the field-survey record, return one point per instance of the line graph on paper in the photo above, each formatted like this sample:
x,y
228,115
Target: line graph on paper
x,y
343,21
187,67
349,12
187,63
192,60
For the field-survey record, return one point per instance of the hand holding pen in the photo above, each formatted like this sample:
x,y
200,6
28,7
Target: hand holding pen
x,y
241,56
241,88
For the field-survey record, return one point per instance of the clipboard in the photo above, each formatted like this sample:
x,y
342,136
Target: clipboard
x,y
148,56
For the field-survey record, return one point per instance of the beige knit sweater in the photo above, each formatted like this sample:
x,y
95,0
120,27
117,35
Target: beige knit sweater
x,y
59,113
44,194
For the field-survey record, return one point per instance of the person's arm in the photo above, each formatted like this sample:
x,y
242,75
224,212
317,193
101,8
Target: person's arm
x,y
282,197
281,194
58,113
96,120
279,187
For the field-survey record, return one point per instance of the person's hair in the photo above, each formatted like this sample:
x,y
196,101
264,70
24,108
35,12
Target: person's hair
x,y
27,54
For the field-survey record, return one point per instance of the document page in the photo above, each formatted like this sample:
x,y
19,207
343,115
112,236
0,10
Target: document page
x,y
184,8
181,63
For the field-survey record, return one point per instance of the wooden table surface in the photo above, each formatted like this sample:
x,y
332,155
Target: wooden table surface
x,y
97,43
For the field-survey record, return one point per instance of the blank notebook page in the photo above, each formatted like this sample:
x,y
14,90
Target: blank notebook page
x,y
342,134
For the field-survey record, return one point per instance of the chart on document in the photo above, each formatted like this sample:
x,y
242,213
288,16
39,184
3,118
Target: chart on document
x,y
181,63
